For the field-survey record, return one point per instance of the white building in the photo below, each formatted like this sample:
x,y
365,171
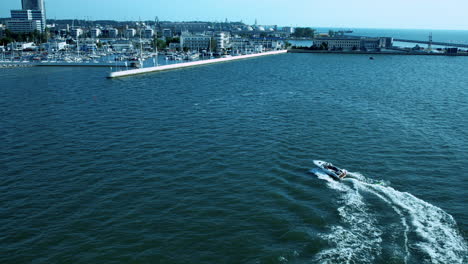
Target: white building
x,y
39,15
122,46
222,40
195,42
241,45
21,46
130,33
96,33
54,45
268,43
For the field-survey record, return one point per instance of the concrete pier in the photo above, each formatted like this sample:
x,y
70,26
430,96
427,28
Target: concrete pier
x,y
190,64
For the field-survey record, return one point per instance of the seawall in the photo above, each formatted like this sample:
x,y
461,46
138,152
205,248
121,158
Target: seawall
x,y
190,64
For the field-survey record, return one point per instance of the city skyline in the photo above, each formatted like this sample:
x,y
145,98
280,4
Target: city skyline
x,y
417,14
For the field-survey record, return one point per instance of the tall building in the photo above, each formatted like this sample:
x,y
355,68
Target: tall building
x,y
37,8
32,17
222,40
32,4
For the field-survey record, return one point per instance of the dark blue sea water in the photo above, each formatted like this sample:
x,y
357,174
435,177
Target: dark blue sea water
x,y
211,164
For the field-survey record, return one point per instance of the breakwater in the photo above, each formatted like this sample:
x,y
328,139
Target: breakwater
x,y
189,64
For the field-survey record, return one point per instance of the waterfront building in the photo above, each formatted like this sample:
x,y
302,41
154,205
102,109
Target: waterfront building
x,y
130,33
96,32
353,43
54,45
334,43
195,42
18,46
122,46
268,43
2,31
249,45
222,40
241,45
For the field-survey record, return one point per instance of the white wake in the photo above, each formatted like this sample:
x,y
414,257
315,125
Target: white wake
x,y
429,234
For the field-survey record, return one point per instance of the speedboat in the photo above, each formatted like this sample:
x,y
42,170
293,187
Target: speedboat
x,y
331,170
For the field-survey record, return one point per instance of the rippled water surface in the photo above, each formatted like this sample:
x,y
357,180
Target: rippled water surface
x,y
211,164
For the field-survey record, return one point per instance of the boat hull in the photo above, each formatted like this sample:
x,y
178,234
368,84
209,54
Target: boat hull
x,y
332,171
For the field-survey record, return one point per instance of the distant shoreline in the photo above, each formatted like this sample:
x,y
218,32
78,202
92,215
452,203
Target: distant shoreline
x,y
298,50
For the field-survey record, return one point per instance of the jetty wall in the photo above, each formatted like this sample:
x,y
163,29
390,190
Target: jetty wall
x,y
190,64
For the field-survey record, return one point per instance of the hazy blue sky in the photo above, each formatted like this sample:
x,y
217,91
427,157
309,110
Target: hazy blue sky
x,y
427,14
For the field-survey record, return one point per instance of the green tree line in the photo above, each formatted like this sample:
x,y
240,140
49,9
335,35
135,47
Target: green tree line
x,y
304,32
36,37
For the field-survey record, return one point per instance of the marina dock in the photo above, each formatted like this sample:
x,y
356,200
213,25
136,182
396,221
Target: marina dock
x,y
16,64
190,64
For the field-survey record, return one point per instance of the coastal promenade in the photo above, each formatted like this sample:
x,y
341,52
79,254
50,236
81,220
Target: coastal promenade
x,y
190,64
